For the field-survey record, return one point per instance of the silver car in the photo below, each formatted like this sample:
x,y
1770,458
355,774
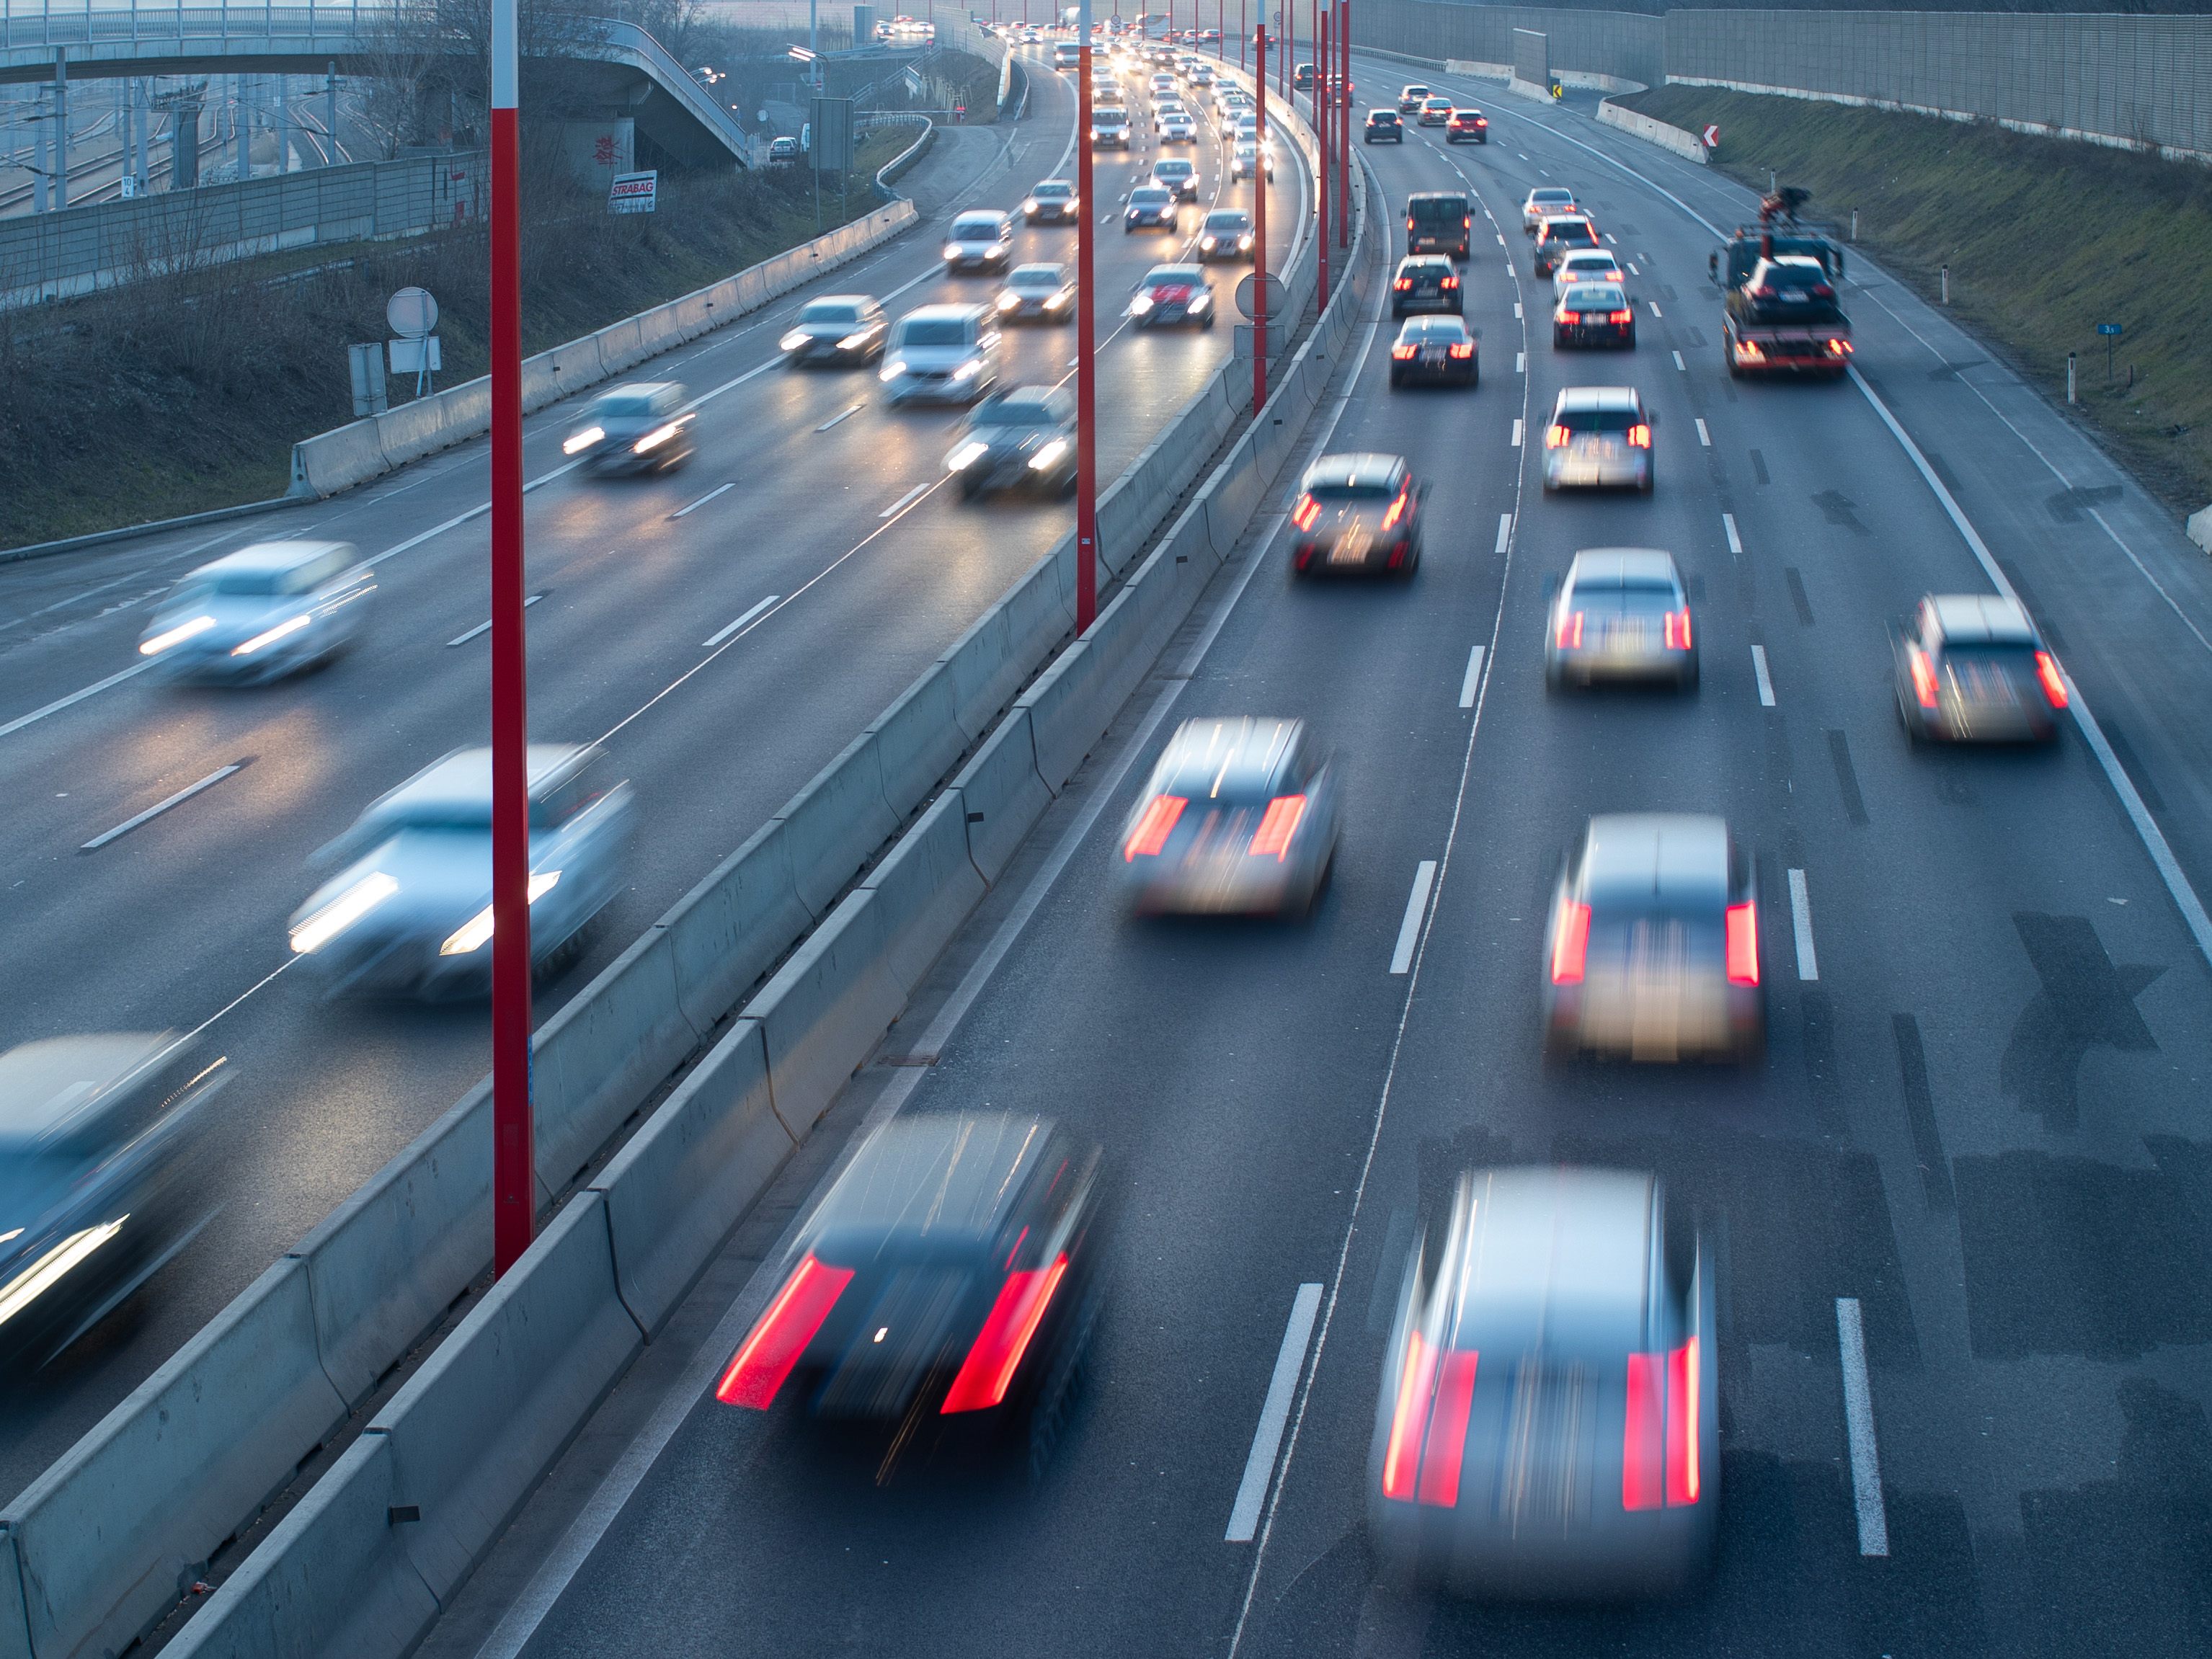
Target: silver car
x,y
1239,815
262,612
1598,437
1970,668
642,427
980,240
1622,614
1548,1424
1543,201
941,354
410,913
1651,950
836,328
1040,293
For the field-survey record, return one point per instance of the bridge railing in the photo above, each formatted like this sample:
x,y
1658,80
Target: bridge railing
x,y
23,24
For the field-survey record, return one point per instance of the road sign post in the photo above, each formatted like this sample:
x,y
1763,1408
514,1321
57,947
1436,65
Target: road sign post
x,y
2111,333
514,1199
1086,353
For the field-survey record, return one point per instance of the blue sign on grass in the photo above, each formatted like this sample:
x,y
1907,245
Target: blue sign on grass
x,y
2108,328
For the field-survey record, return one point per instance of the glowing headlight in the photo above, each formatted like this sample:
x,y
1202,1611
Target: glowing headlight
x,y
1140,305
342,912
1030,205
1050,456
579,441
47,1271
952,250
177,636
968,371
1244,244
966,456
1206,242
289,625
1009,300
654,439
891,370
1199,301
1059,300
474,933
794,340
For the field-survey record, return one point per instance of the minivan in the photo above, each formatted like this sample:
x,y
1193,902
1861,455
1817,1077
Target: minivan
x,y
1438,221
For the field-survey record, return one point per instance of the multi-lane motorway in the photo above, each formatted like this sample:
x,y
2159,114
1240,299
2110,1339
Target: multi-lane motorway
x,y
1975,1139
811,511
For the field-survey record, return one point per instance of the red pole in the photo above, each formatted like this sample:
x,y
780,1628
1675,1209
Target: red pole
x,y
1322,124
1240,35
1260,226
514,1180
1344,148
1086,315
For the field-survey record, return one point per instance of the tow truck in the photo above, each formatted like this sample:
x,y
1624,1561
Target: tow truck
x,y
1778,281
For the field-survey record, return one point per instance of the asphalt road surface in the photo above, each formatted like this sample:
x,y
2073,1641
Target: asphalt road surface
x,y
1977,1131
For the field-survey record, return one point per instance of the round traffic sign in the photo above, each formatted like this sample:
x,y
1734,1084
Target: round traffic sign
x,y
1276,300
412,313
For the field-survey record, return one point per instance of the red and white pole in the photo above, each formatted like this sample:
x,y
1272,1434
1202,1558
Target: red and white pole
x,y
1260,226
515,1197
1086,350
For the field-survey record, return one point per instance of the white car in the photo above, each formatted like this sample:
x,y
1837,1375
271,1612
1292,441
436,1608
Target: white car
x,y
260,613
980,240
1545,202
941,354
1245,157
1594,265
1177,128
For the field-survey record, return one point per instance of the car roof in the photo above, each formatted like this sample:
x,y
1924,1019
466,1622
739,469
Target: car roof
x,y
1354,467
946,312
1433,324
1981,619
1550,193
1057,273
1149,190
842,300
274,557
1597,397
1424,261
1049,401
1610,567
1054,184
1804,262
1382,114
1435,196
48,1085
463,778
650,389
1174,274
1552,1259
1628,856
935,1175
1239,756
978,216
1590,253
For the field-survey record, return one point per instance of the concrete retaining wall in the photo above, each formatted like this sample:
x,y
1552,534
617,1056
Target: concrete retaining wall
x,y
1684,144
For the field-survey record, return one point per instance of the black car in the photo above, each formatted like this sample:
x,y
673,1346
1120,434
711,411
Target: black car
x,y
1593,314
1383,127
1022,438
1426,282
1302,78
946,1281
1436,351
1052,202
1357,515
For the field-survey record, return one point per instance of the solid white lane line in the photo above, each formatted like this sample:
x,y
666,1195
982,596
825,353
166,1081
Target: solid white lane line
x,y
1504,530
728,628
1766,685
842,415
685,512
485,627
1680,364
1655,312
1735,542
1473,683
1516,310
903,502
1704,438
1516,435
60,704
1858,1427
1274,1414
160,807
1417,908
1800,923
1519,366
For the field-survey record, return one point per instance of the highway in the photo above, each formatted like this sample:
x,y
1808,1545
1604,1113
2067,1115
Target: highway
x,y
1976,1137
810,540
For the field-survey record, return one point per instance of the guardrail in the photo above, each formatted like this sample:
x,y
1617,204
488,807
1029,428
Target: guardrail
x,y
387,1536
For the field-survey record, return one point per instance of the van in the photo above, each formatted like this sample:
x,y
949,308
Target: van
x,y
1438,221
1067,55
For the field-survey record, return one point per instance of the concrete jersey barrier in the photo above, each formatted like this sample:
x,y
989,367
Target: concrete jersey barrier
x,y
1653,130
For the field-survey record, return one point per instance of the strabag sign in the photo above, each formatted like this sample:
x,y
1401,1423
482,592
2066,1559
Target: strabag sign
x,y
632,192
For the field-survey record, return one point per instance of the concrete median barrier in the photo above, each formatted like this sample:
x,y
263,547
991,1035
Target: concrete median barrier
x,y
1001,795
620,346
674,1192
925,887
823,1010
918,739
14,1628
835,822
337,460
725,933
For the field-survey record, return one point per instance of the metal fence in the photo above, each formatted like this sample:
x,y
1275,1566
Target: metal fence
x,y
49,255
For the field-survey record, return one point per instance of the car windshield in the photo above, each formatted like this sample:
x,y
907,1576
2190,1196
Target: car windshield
x,y
1173,275
1108,118
242,583
1149,196
830,310
1228,221
976,227
1024,408
933,332
1598,419
1035,277
622,408
1050,192
1171,170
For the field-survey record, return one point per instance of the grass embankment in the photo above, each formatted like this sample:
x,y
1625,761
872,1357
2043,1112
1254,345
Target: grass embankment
x,y
2046,239
188,392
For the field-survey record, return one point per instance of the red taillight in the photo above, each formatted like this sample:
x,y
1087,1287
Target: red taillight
x,y
1822,291
1677,630
1839,348
1451,282
1748,352
1404,284
1743,943
1620,316
1447,1443
1659,1443
1682,1424
1401,1456
1640,436
1409,222
1481,121
988,1370
1569,634
2054,687
1402,352
1277,826
1570,316
1305,512
1397,511
1154,825
1555,436
1570,944
1464,348
773,1350
1924,677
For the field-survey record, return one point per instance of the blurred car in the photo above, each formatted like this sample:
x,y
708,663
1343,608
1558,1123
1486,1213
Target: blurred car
x,y
1177,128
1302,78
1383,127
979,241
1203,76
1593,313
837,328
1439,222
97,1183
1245,159
1177,173
1411,98
260,613
1043,292
1561,234
1425,282
1020,439
941,354
1468,126
1651,949
1110,129
642,427
1622,613
783,152
1971,668
1435,351
949,1280
1589,265
410,913
1239,815
1151,207
1161,86
1226,234
1173,293
1548,200
1548,1427
1435,112
1357,512
1598,437
1165,109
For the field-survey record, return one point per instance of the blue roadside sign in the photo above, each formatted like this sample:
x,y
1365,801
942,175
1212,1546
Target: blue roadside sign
x,y
2108,328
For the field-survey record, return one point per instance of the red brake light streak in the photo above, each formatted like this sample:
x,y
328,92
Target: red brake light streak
x,y
1659,1462
988,1370
770,1354
2054,686
1306,512
1276,827
1743,943
1571,944
1428,1428
1154,825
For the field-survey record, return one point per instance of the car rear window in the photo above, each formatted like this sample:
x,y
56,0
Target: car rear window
x,y
1361,491
1570,231
933,331
1597,420
1446,207
1595,298
1382,117
1542,197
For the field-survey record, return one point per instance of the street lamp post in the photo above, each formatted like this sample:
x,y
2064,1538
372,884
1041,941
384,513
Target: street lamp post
x,y
1343,125
1086,317
1323,133
514,1199
1258,222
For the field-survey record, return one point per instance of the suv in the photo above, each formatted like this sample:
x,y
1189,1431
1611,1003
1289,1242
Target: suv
x,y
1438,221
1383,127
1425,282
1410,99
1970,668
941,354
1598,436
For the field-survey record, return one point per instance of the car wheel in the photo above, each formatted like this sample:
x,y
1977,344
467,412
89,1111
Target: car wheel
x,y
1645,482
1056,1394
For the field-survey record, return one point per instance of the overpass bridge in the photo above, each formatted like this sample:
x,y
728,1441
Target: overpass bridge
x,y
608,60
